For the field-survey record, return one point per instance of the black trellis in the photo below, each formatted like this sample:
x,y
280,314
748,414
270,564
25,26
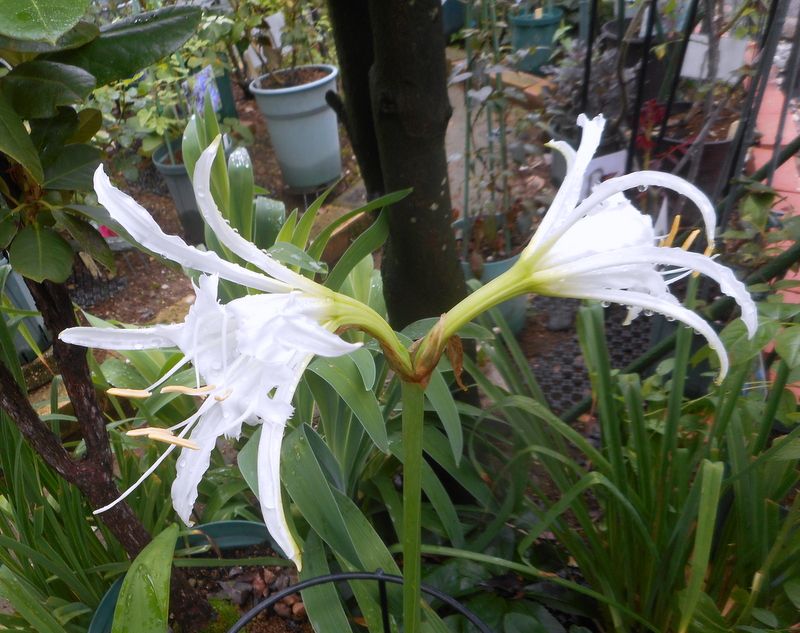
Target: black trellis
x,y
378,576
769,34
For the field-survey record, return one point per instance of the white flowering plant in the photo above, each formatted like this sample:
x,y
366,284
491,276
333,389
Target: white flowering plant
x,y
249,354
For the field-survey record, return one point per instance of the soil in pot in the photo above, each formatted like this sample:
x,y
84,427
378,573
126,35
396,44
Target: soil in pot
x,y
291,77
234,590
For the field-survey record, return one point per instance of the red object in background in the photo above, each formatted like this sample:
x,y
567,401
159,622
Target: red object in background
x,y
106,232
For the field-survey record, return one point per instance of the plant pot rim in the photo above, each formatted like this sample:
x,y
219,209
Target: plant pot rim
x,y
160,160
255,85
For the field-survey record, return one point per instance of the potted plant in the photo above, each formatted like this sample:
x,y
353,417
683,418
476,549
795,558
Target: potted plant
x,y
533,30
303,130
222,536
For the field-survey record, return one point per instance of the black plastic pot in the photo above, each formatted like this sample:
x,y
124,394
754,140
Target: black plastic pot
x,y
180,188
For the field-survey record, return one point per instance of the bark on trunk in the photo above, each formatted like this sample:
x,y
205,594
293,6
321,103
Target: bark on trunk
x,y
408,83
351,32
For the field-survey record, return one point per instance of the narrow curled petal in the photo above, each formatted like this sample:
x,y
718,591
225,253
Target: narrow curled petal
x,y
269,490
612,186
567,196
661,306
643,255
143,228
230,238
122,338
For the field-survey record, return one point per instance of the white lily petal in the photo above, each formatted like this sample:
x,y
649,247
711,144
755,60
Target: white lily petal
x,y
143,228
122,338
619,184
567,196
727,281
269,490
192,465
230,238
668,309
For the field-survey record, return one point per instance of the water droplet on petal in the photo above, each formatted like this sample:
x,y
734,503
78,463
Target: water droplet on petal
x,y
605,304
642,188
648,313
670,319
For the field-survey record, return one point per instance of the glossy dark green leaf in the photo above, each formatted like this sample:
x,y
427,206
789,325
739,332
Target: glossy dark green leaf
x,y
15,142
369,241
268,218
78,35
439,395
40,253
40,19
143,603
50,135
73,168
240,174
89,239
90,120
131,44
37,87
27,601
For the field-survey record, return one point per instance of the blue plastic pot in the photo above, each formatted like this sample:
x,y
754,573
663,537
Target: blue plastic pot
x,y
536,35
514,310
303,129
227,535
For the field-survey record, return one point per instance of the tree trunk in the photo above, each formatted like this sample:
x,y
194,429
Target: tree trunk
x,y
408,83
351,32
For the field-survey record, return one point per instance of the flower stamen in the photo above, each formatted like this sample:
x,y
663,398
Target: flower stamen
x,y
673,232
129,393
163,435
189,391
687,244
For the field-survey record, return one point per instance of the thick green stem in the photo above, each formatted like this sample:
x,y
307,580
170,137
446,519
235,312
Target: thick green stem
x,y
412,504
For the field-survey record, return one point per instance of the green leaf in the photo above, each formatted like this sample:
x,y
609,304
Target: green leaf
x,y
308,488
78,35
50,135
40,19
321,241
792,590
369,241
89,239
15,142
240,175
37,87
785,449
366,366
131,44
40,253
73,169
8,227
438,394
290,255
90,120
787,344
28,602
303,229
143,603
323,604
343,375
711,484
268,217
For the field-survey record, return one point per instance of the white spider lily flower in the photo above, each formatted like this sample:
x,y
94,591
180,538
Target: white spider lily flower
x,y
604,249
248,355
